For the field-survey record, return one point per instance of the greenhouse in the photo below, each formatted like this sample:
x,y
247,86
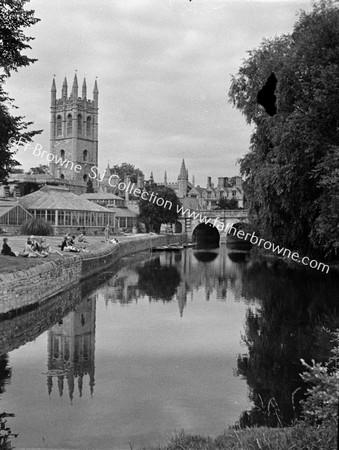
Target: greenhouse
x,y
65,210
12,214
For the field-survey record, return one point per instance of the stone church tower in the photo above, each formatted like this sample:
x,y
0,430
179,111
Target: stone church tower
x,y
74,133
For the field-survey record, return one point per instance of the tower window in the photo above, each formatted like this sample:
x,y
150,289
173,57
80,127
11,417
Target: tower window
x,y
59,126
79,125
85,177
88,127
69,125
62,154
62,176
85,155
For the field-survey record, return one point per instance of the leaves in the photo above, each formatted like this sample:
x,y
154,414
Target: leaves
x,y
292,160
13,42
152,214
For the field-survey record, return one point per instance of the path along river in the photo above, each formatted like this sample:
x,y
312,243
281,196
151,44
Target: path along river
x,y
197,340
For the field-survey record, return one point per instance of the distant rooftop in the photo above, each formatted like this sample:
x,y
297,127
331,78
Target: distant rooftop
x,y
101,196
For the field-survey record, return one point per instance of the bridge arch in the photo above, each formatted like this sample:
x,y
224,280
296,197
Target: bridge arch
x,y
206,234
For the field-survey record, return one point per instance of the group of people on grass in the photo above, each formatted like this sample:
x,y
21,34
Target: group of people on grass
x,y
32,249
68,243
39,248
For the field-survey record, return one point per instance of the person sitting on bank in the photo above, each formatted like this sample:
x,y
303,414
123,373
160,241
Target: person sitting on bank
x,y
70,246
6,249
35,244
65,241
46,249
29,252
82,239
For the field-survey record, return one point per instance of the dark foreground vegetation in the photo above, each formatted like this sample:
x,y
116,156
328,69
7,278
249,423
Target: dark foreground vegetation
x,y
298,437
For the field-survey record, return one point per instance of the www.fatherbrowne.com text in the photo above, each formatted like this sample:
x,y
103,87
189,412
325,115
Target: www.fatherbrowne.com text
x,y
152,197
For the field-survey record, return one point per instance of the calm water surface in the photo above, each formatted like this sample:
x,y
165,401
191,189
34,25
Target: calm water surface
x,y
197,340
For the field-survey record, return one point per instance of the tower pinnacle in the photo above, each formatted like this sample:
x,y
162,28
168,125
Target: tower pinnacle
x,y
75,87
84,89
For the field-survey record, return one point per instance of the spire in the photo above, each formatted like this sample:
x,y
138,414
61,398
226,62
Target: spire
x,y
193,180
53,88
95,90
95,94
183,171
151,177
84,89
64,88
165,179
75,87
53,93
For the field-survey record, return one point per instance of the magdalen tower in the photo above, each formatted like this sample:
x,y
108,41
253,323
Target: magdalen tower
x,y
74,133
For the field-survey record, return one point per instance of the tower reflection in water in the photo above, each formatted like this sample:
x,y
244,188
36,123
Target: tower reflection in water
x,y
71,347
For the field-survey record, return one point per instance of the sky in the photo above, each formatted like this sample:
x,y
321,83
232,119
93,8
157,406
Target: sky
x,y
163,70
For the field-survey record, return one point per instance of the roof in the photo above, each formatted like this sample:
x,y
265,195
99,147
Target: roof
x,y
101,196
6,206
123,212
60,198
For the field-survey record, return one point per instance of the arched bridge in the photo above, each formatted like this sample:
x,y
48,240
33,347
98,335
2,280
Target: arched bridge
x,y
215,221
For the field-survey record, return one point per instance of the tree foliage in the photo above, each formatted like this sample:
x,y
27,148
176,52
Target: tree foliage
x,y
13,43
126,169
89,188
40,169
153,215
225,203
321,404
292,168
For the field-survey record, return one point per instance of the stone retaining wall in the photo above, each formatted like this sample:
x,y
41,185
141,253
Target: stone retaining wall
x,y
21,290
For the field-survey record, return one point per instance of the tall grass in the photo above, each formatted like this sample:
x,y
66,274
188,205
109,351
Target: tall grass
x,y
38,227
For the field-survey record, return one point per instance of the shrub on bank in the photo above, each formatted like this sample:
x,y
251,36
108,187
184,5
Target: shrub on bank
x,y
298,437
37,227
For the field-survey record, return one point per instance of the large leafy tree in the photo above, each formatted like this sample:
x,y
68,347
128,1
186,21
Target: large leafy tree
x,y
291,170
127,169
13,43
153,215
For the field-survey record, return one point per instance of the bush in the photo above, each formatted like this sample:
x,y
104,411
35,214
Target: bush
x,y
321,405
37,227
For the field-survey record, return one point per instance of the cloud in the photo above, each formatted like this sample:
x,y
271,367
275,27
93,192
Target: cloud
x,y
163,72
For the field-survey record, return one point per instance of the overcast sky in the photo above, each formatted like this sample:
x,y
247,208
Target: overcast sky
x,y
164,70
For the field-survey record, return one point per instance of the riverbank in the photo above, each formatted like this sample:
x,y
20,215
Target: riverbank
x,y
299,436
30,281
262,254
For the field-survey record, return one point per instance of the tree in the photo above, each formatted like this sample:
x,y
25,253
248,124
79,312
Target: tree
x,y
42,168
152,214
225,203
13,42
89,188
126,169
292,182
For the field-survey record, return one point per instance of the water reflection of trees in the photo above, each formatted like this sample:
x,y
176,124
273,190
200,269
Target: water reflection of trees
x,y
5,431
158,281
294,304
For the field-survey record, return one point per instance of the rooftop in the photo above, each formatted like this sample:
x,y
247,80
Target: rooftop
x,y
60,198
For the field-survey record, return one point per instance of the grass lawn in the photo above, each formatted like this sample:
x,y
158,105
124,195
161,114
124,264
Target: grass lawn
x,y
10,264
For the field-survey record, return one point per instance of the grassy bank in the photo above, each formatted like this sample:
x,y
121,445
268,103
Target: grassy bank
x,y
298,437
9,264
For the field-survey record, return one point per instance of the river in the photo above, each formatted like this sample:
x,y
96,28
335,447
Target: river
x,y
198,340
